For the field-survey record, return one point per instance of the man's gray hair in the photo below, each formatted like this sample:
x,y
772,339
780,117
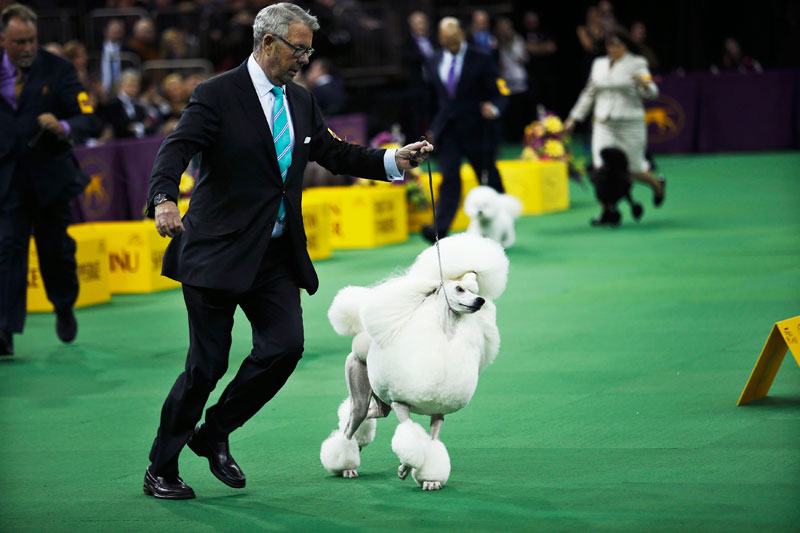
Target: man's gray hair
x,y
275,19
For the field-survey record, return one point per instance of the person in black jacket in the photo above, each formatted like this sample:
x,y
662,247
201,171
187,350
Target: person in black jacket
x,y
42,110
242,241
470,96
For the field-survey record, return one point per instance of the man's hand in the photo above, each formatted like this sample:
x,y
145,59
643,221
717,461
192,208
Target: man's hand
x,y
411,155
489,111
168,219
49,122
569,125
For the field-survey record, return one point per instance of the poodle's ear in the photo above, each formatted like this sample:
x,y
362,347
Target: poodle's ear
x,y
512,205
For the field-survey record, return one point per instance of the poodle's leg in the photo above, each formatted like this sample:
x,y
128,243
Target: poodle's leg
x,y
360,393
402,412
436,428
378,408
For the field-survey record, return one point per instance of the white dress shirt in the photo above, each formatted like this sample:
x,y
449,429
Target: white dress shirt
x,y
264,87
447,58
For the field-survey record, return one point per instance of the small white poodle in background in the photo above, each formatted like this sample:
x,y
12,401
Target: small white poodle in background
x,y
492,214
418,347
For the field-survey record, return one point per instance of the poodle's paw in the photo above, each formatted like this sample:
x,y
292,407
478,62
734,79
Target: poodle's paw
x,y
339,454
435,470
431,485
402,471
350,474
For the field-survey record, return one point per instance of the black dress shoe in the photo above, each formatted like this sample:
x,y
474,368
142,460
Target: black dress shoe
x,y
429,234
219,458
658,199
166,488
66,325
6,343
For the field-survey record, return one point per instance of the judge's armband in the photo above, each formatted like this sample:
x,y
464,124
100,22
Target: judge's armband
x,y
84,103
502,87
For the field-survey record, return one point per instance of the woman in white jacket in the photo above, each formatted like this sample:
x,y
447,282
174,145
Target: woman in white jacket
x,y
617,84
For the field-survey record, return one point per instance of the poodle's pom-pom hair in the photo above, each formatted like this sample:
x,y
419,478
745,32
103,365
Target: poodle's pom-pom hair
x,y
462,253
436,466
410,443
511,205
344,311
365,432
338,453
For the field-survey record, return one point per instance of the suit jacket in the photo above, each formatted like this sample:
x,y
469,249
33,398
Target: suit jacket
x,y
479,82
238,189
613,91
52,86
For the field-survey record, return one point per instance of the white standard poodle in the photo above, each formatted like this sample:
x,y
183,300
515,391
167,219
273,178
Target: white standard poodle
x,y
492,214
418,347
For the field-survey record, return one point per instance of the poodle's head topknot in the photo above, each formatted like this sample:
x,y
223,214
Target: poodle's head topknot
x,y
462,253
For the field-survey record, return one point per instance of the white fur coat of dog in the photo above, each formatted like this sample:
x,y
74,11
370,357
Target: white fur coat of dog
x,y
418,347
492,214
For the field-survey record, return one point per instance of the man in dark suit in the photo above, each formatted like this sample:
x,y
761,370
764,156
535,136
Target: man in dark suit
x,y
42,109
242,241
470,95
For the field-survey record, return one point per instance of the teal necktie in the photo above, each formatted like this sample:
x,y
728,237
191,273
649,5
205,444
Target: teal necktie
x,y
282,139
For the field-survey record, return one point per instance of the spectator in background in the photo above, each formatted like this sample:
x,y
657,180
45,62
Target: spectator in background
x,y
419,44
173,44
417,49
124,115
75,52
174,100
541,66
639,38
512,58
110,64
327,88
143,40
54,48
479,34
591,35
733,60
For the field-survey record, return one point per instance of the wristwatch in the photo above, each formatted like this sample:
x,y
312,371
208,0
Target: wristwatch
x,y
160,198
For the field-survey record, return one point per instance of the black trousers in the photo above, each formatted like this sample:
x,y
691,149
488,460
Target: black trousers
x,y
452,148
21,216
272,305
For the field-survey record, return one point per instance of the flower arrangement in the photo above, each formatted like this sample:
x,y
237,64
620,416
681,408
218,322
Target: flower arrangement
x,y
545,140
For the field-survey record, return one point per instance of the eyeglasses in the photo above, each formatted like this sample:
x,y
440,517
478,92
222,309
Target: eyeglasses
x,y
299,51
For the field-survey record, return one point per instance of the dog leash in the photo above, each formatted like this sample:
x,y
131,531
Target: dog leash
x,y
415,162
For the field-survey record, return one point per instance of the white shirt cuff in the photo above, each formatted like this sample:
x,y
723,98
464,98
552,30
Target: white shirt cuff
x,y
390,165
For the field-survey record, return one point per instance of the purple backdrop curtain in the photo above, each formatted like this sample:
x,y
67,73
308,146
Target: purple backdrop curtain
x,y
672,117
746,111
725,112
119,174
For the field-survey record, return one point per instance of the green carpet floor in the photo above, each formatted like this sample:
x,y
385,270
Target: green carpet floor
x,y
611,407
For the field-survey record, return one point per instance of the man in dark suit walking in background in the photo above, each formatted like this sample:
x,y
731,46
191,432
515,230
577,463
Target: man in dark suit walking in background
x,y
42,109
470,95
242,241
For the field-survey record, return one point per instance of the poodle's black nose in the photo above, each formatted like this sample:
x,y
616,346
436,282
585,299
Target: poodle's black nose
x,y
479,302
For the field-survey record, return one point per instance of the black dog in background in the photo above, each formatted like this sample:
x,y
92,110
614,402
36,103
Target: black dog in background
x,y
612,183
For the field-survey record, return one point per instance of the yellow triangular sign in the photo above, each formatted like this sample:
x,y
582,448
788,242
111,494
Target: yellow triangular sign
x,y
785,334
